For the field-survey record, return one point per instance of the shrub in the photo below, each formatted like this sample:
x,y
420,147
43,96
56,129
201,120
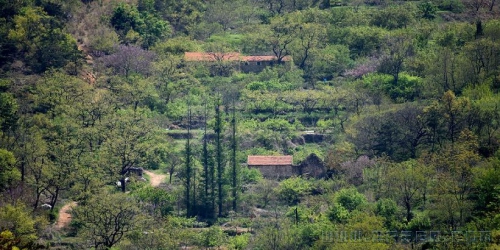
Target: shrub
x,y
350,199
292,189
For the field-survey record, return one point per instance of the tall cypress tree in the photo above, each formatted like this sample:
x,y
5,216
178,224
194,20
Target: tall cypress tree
x,y
208,187
219,155
234,172
188,165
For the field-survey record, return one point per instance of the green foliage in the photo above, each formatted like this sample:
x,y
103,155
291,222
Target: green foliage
x,y
451,5
363,40
176,45
292,189
406,89
338,213
279,125
272,85
329,62
388,209
8,172
487,187
232,40
421,222
42,41
239,242
127,19
18,220
364,222
422,164
394,16
105,219
213,237
427,10
250,175
350,199
302,152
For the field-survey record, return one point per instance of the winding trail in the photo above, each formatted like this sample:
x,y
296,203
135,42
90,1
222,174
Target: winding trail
x,y
155,179
64,216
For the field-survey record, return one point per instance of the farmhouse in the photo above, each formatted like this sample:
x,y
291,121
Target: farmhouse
x,y
240,62
281,167
272,167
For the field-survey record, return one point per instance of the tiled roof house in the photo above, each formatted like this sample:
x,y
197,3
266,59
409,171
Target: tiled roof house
x,y
281,167
274,167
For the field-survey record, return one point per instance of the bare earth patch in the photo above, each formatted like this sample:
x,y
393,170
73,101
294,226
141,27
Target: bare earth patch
x,y
64,217
155,179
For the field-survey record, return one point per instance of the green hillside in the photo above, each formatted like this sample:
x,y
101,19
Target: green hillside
x,y
399,101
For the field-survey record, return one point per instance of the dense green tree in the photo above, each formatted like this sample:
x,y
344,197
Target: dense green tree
x,y
127,19
182,15
400,49
362,40
405,183
219,155
106,219
8,172
129,137
8,111
387,133
329,62
427,10
235,172
485,194
293,189
41,41
17,220
189,169
455,167
394,16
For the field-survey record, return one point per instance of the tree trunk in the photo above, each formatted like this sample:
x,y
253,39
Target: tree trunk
x,y
123,183
409,216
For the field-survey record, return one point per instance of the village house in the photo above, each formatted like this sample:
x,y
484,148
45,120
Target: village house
x,y
282,167
272,167
246,64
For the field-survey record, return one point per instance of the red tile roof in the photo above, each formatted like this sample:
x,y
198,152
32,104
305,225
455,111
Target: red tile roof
x,y
261,160
233,56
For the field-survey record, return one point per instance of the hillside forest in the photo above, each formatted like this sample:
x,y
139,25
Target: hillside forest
x,y
401,99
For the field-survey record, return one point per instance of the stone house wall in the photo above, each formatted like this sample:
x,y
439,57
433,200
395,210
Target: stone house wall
x,y
276,172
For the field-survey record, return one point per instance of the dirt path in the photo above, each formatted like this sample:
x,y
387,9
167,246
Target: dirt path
x,y
155,179
64,217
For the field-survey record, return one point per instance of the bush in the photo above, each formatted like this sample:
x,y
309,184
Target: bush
x,y
239,241
338,214
350,199
388,209
292,189
420,222
427,10
213,237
